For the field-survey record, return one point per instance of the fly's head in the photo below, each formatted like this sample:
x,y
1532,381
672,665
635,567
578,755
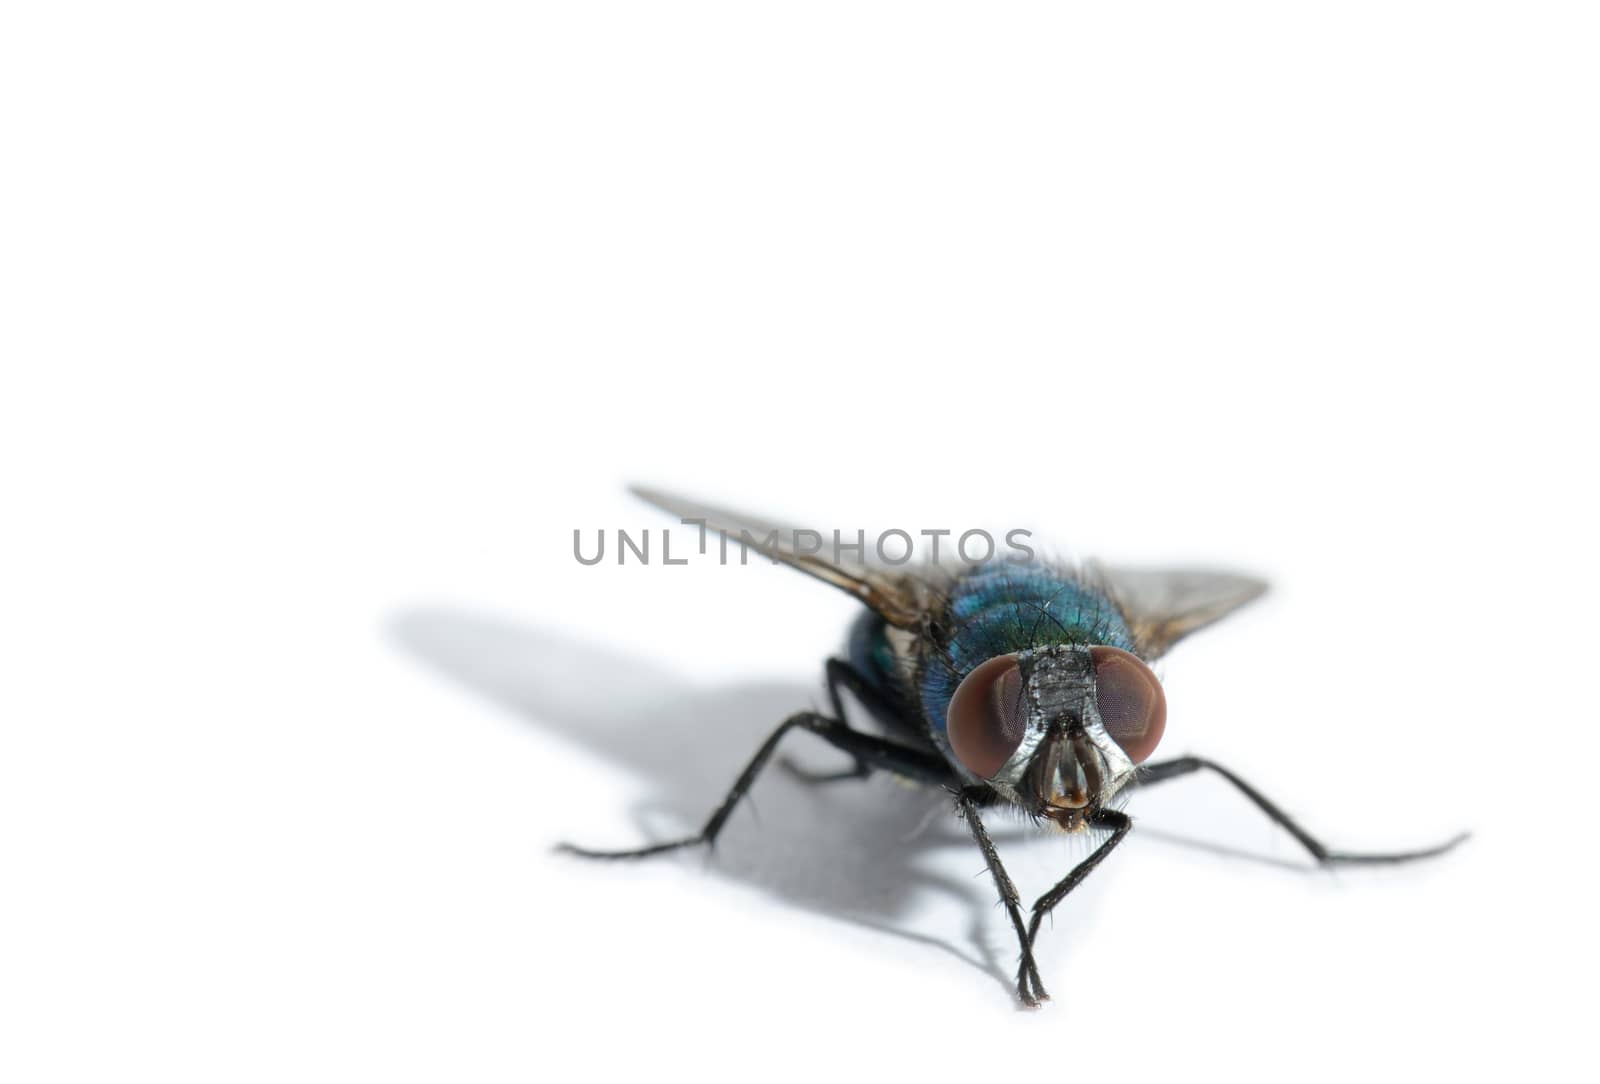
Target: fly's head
x,y
1057,730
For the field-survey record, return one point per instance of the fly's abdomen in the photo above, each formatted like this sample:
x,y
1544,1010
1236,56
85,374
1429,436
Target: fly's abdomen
x,y
872,656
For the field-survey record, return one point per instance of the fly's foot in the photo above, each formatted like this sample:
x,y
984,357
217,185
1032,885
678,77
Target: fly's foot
x,y
632,852
1030,989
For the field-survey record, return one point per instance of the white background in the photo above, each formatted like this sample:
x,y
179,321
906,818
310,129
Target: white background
x,y
324,325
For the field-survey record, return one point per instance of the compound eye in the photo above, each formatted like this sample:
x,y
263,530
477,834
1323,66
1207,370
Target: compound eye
x,y
988,715
1132,705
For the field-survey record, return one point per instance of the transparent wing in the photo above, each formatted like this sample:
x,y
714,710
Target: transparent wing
x,y
1163,605
892,593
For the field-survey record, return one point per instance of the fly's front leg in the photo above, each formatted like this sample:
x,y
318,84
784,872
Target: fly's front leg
x,y
1151,774
1030,988
877,752
1120,824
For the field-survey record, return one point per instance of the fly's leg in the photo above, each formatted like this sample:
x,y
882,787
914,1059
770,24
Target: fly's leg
x,y
806,775
1029,986
1120,825
878,704
876,752
1151,774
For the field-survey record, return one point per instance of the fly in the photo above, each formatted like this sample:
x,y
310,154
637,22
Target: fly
x,y
1026,685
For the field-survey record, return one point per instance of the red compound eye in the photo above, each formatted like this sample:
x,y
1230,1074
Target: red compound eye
x,y
988,715
1132,705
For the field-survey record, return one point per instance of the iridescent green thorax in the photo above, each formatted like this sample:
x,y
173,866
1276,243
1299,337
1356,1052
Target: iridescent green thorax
x,y
1000,608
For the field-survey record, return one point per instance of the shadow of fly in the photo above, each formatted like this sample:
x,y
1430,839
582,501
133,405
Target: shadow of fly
x,y
1020,684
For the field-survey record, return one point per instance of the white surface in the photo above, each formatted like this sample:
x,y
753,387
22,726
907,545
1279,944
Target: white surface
x,y
325,325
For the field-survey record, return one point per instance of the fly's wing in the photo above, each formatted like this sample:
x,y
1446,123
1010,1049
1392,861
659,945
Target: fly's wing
x,y
1162,606
892,594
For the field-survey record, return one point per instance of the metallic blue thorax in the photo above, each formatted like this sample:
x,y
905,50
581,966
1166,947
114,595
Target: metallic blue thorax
x,y
995,609
1000,608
